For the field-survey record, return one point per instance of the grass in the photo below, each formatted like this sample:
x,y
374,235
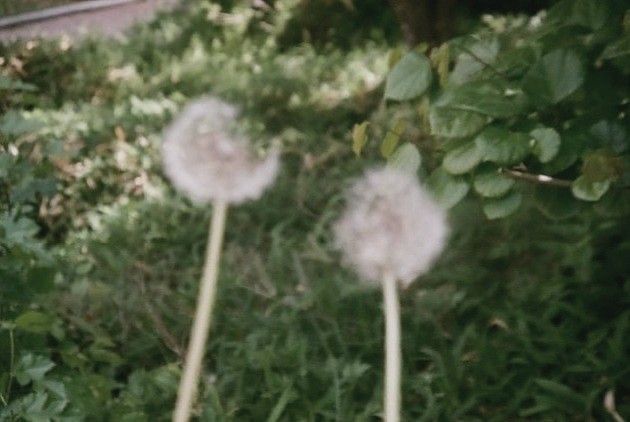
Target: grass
x,y
513,323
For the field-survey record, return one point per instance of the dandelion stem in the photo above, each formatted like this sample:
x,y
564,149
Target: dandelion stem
x,y
203,314
391,399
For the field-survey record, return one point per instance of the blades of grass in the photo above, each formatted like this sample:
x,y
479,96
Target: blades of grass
x,y
286,397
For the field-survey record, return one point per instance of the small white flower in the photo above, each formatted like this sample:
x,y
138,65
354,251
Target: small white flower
x,y
390,226
206,159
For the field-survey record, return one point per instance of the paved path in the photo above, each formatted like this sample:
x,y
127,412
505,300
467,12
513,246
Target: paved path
x,y
111,22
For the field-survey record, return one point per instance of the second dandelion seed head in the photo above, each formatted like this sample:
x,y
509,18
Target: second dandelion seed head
x,y
208,160
391,226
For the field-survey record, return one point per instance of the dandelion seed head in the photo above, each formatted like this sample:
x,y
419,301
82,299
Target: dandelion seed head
x,y
206,159
391,225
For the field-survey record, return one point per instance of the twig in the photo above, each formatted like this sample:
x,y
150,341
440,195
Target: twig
x,y
540,179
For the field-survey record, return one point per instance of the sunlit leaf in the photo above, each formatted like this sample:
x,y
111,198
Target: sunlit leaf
x,y
359,137
406,158
409,78
588,190
32,367
547,143
392,138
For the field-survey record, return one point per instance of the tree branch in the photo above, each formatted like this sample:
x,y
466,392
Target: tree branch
x,y
540,179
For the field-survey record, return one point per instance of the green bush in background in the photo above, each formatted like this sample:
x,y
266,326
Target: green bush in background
x,y
540,100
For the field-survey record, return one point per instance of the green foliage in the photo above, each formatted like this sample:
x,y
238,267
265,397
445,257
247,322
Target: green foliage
x,y
541,94
406,158
448,189
409,78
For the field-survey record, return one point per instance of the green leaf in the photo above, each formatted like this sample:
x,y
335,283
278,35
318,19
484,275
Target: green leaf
x,y
484,98
556,203
589,13
17,231
450,123
617,49
474,58
571,147
588,190
556,76
392,138
490,183
447,190
30,187
34,322
101,354
615,204
359,137
6,163
502,146
563,396
462,159
13,123
32,367
547,143
406,158
502,207
409,78
610,134
8,84
600,165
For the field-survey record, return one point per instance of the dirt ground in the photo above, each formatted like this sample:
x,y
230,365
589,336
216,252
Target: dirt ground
x,y
111,22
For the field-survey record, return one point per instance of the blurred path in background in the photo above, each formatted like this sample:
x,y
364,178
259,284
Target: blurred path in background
x,y
110,22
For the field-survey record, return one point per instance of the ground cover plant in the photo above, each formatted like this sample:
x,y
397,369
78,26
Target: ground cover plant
x,y
524,317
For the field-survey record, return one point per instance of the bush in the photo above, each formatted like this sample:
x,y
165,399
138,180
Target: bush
x,y
538,100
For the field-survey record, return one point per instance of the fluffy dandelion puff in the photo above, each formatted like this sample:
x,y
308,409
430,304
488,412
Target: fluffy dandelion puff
x,y
391,232
206,159
391,227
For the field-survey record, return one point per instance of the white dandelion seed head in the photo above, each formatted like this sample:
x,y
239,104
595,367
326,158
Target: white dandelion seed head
x,y
208,161
391,225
